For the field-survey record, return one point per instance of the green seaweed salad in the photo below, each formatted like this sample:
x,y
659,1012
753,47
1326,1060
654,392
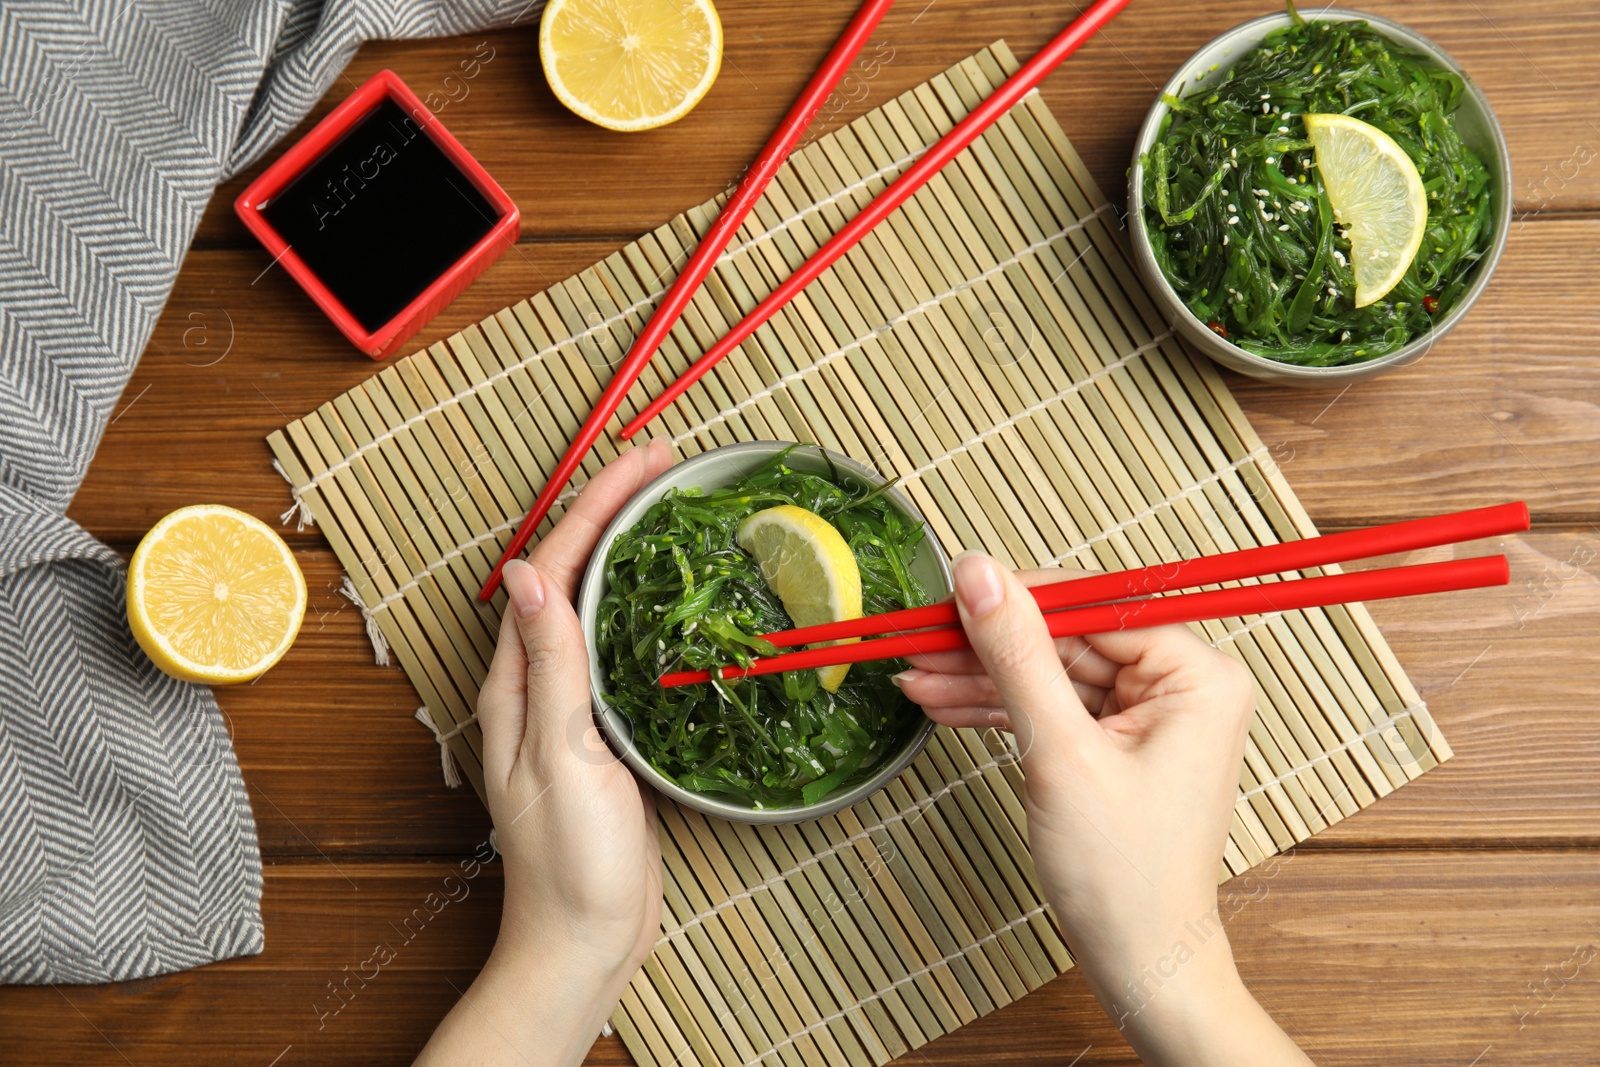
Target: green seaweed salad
x,y
1276,282
682,594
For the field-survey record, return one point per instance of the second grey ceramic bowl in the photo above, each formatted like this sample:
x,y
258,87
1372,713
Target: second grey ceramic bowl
x,y
1206,68
713,470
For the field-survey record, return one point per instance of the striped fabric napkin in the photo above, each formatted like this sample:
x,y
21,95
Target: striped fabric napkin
x,y
127,845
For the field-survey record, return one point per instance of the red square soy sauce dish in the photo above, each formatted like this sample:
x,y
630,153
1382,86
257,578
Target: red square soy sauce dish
x,y
380,215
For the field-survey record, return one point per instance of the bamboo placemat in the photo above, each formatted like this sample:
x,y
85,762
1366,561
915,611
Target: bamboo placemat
x,y
991,346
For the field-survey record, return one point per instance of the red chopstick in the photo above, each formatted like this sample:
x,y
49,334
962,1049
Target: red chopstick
x,y
898,192
666,314
1321,551
1291,595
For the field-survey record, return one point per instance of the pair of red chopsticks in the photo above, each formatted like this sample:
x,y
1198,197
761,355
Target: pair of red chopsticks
x,y
744,199
1120,600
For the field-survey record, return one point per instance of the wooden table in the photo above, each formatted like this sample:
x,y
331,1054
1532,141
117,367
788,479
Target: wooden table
x,y
1450,924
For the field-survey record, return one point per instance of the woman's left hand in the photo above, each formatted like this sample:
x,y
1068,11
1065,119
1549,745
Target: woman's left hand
x,y
576,830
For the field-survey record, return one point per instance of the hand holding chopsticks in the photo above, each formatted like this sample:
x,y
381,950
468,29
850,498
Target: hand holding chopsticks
x,y
1117,601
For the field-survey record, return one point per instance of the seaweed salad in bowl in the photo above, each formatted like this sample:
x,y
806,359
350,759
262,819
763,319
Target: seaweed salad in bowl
x,y
1322,194
674,585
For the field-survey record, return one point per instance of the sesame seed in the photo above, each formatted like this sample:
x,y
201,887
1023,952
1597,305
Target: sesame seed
x,y
1233,207
1266,96
1270,161
1233,152
1224,238
1266,109
1284,228
1283,129
1234,221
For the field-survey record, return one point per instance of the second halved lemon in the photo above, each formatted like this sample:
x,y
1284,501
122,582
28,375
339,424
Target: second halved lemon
x,y
1377,195
810,566
630,64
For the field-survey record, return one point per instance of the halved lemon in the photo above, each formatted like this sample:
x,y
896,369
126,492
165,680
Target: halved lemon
x,y
810,567
214,595
630,64
1377,195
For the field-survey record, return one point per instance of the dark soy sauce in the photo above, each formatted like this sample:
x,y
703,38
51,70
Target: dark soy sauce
x,y
381,215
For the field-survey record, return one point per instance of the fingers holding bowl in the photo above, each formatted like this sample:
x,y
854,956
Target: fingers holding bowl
x,y
564,551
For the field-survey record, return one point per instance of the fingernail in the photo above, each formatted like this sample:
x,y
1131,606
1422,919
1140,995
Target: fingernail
x,y
524,588
903,677
978,584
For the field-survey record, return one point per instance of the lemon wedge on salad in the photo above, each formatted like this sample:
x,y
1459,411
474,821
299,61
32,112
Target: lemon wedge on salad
x,y
214,595
809,566
1377,195
630,64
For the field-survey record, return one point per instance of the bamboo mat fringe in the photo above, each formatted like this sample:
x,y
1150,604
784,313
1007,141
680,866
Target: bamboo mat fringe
x,y
380,644
988,345
447,762
298,510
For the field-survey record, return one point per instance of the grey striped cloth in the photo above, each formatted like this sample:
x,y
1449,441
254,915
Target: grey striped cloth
x,y
127,846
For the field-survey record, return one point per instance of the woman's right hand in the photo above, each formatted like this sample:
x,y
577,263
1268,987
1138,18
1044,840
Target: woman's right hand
x,y
1131,744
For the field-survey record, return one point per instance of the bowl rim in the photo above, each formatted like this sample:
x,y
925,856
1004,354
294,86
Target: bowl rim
x,y
590,592
1189,326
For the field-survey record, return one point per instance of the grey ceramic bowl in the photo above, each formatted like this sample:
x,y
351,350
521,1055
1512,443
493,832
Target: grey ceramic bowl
x,y
1479,129
712,470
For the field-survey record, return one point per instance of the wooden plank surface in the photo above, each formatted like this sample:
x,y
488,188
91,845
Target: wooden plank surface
x,y
1430,972
1409,933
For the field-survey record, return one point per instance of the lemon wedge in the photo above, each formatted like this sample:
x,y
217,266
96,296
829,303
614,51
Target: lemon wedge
x,y
630,64
1377,195
810,567
214,595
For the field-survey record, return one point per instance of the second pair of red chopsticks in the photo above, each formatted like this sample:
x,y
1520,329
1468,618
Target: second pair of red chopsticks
x,y
811,99
1101,602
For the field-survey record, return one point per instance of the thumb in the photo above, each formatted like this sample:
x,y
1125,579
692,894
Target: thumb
x,y
1009,635
559,716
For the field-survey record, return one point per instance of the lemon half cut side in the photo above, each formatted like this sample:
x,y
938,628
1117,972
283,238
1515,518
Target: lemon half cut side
x,y
214,595
630,64
1377,195
809,566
